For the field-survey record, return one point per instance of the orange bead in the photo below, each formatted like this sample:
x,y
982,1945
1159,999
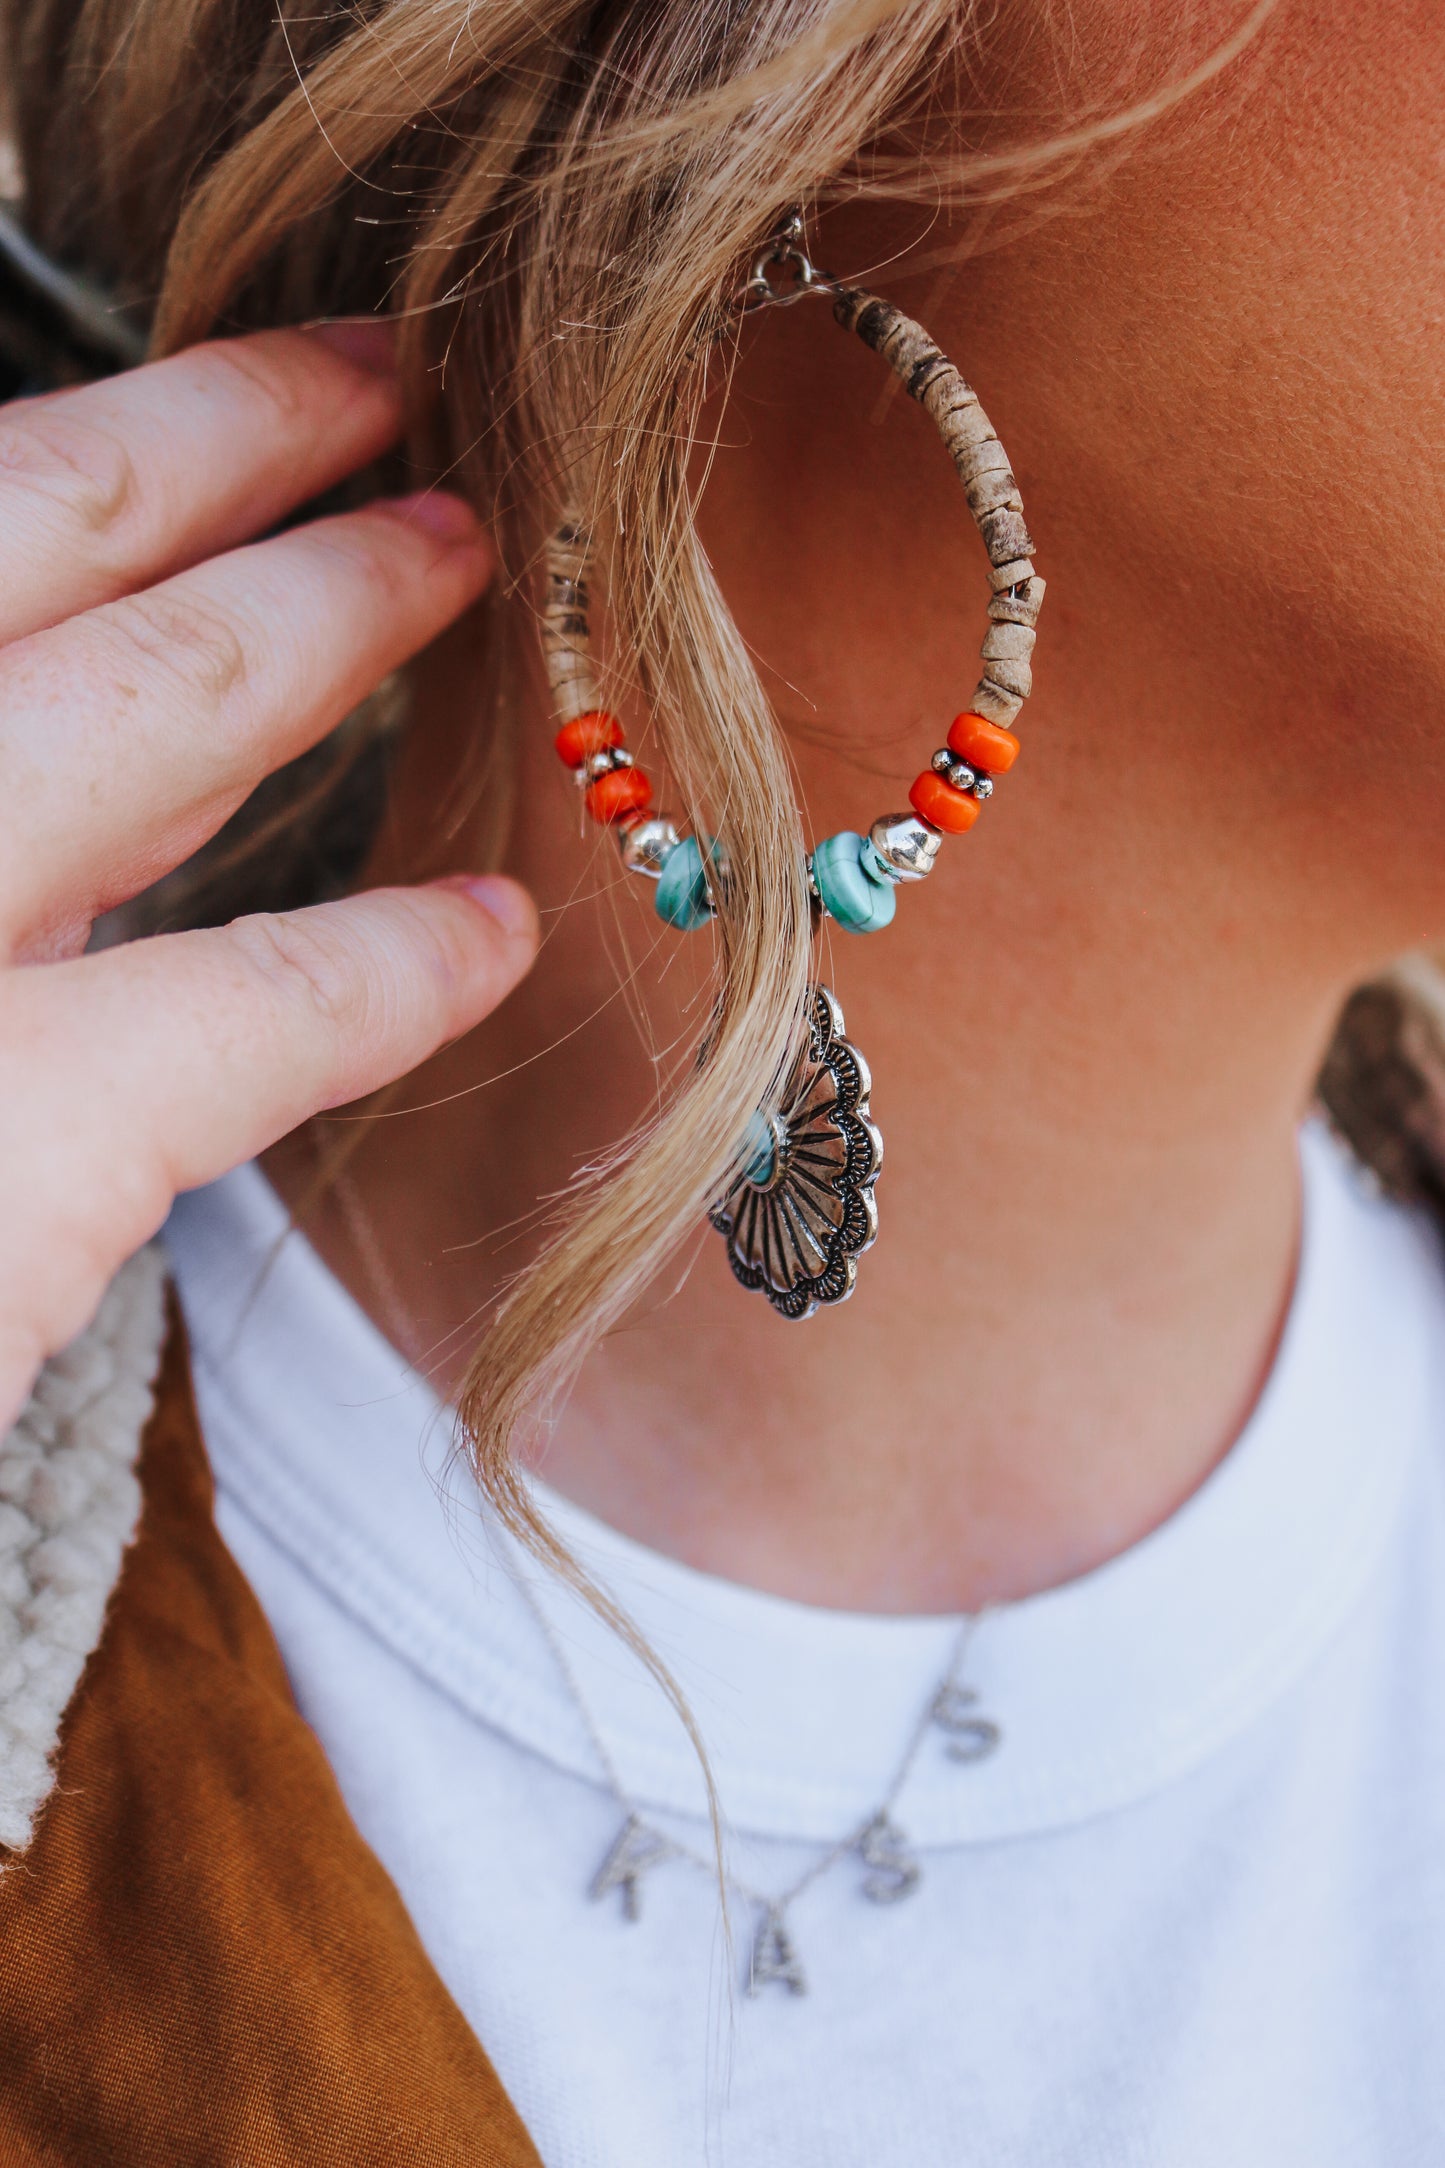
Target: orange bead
x,y
617,793
594,732
983,744
951,810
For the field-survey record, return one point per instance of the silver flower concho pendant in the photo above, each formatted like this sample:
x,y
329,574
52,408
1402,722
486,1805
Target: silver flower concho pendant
x,y
798,1217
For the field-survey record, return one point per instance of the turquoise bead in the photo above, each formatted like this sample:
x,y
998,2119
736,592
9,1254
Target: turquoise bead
x,y
681,892
760,1151
850,890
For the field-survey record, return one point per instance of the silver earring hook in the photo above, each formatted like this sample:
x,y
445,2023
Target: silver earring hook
x,y
785,254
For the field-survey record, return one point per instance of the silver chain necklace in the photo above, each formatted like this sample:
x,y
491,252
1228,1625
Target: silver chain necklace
x,y
891,1870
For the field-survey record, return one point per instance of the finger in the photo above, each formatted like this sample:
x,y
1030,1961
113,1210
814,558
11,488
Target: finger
x,y
142,1071
133,731
118,484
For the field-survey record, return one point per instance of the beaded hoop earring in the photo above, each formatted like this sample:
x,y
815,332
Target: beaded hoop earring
x,y
802,1207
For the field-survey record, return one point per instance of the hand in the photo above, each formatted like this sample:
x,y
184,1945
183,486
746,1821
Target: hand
x,y
152,670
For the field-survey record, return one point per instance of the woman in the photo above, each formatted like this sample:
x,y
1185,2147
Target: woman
x,y
1059,1618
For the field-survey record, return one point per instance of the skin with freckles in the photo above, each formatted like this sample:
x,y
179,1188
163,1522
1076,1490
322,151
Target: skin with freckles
x,y
1094,1030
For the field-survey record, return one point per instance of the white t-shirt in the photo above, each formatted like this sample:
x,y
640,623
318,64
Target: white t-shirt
x,y
1190,1913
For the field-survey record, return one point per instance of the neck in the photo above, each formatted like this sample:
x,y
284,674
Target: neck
x,y
1086,1250
1088,1065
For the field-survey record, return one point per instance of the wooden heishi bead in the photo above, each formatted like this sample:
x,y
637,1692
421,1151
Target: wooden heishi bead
x,y
618,792
566,649
574,688
1013,574
952,405
993,703
951,810
1008,643
1010,677
1005,536
945,394
1019,607
983,744
993,491
967,424
986,457
587,734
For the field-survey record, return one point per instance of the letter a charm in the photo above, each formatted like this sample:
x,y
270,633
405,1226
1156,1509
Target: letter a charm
x,y
636,1849
774,1957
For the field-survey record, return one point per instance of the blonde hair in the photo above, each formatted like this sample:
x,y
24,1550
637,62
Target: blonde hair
x,y
554,202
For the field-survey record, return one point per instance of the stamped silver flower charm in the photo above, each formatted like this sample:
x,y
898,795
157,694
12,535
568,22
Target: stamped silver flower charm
x,y
802,1210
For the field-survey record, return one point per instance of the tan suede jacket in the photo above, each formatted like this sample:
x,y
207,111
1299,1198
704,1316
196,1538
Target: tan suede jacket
x,y
201,1963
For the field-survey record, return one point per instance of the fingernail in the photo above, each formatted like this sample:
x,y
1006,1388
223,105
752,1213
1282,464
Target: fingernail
x,y
368,342
437,512
505,901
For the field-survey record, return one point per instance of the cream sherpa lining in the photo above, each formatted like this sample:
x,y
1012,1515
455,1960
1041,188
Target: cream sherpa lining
x,y
69,1502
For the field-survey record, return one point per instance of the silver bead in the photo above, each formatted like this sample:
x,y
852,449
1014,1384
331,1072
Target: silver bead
x,y
961,776
906,845
983,788
646,845
601,763
943,760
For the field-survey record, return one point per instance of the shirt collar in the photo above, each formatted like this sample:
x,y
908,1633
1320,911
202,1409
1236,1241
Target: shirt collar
x,y
1104,1689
